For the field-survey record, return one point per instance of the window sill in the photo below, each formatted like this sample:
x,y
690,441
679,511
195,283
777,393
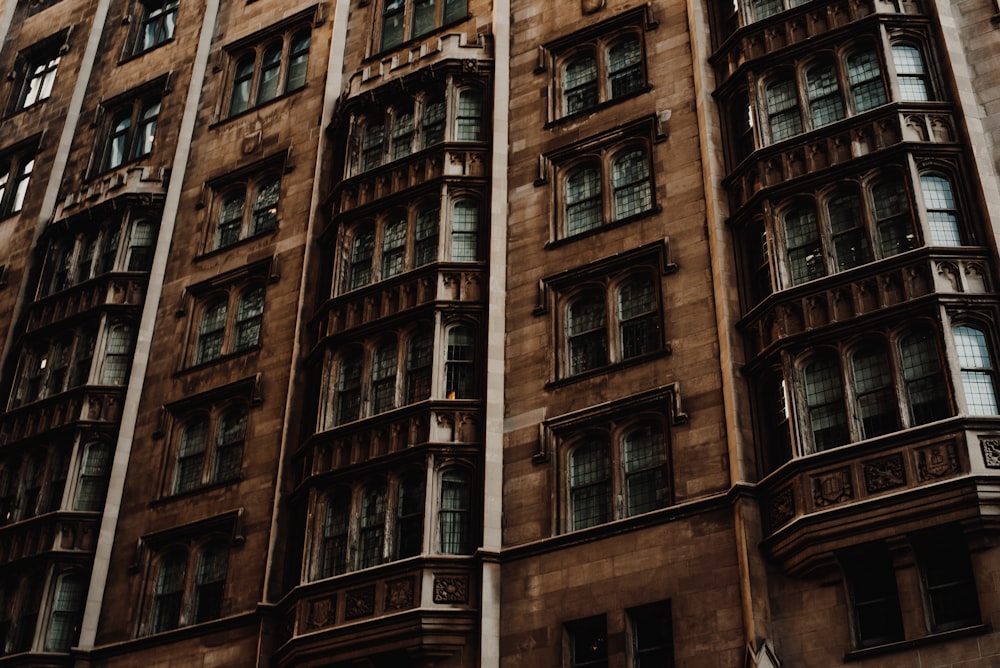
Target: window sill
x,y
194,491
561,241
382,53
258,107
600,106
139,54
236,244
218,360
609,368
932,638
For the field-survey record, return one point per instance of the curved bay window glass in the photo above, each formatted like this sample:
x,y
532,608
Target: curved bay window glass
x,y
410,516
914,83
371,528
874,391
942,212
893,223
67,612
978,370
336,528
805,256
850,242
419,365
644,457
465,231
590,484
384,378
459,364
454,513
926,391
359,270
783,109
824,95
825,404
348,407
865,79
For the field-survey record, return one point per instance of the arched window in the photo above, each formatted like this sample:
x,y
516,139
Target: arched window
x,y
359,270
270,70
454,512
425,246
117,355
579,83
265,206
158,20
644,456
141,243
825,404
783,109
249,313
459,365
914,84
371,531
583,199
169,592
847,230
761,9
210,582
94,471
410,516
371,145
67,612
978,370
893,223
419,363
432,121
298,61
191,455
230,220
586,333
336,526
942,212
403,129
348,407
823,93
117,145
146,133
469,116
637,317
625,67
805,255
242,82
630,179
229,444
926,391
211,332
384,377
590,484
465,231
865,80
394,245
31,484
874,391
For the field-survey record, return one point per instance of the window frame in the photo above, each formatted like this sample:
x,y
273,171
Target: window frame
x,y
408,31
161,16
182,608
128,128
206,466
276,52
37,63
17,166
224,332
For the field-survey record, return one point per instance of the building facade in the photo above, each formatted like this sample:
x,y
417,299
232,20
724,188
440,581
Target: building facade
x,y
499,333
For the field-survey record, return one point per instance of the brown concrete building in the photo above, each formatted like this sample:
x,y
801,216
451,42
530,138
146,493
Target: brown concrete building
x,y
464,333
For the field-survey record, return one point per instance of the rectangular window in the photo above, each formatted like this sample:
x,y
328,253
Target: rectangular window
x,y
652,636
16,167
36,73
587,641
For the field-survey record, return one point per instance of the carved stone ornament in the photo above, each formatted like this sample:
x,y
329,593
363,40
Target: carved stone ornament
x,y
360,603
454,589
591,6
321,612
399,594
884,473
936,461
832,488
781,509
991,452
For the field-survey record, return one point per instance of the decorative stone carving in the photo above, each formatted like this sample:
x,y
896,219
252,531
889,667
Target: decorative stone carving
x,y
884,473
991,451
832,488
322,611
360,603
781,508
451,589
399,594
936,461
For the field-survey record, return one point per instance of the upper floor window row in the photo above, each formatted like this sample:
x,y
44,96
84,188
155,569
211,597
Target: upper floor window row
x,y
851,224
605,185
876,385
403,20
48,366
406,238
408,125
397,369
385,519
96,250
35,72
826,87
263,71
